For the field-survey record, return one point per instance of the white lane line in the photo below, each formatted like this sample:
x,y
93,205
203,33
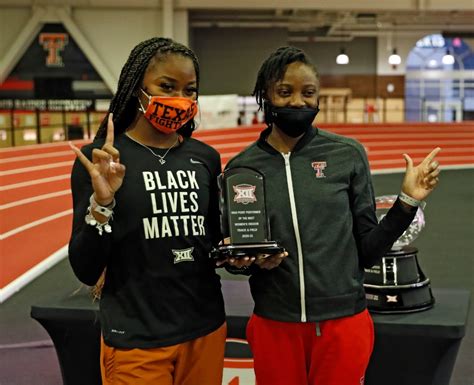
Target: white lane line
x,y
34,181
218,146
402,169
221,137
207,131
35,223
418,150
418,144
34,199
44,145
33,273
425,129
432,135
36,168
28,345
463,142
370,147
37,156
461,159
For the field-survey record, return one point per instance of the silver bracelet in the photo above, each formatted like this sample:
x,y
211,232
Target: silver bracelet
x,y
409,200
106,211
101,227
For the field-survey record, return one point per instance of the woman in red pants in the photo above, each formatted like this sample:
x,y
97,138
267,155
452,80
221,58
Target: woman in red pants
x,y
310,324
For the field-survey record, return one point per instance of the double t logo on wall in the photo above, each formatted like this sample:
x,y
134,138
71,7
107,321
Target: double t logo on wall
x,y
54,43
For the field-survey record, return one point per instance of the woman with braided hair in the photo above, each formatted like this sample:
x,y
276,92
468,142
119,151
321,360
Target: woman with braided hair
x,y
310,324
146,212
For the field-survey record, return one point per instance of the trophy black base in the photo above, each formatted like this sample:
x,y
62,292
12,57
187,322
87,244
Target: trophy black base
x,y
248,249
397,284
399,299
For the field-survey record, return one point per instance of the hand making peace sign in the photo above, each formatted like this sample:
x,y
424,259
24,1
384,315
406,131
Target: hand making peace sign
x,y
105,170
419,181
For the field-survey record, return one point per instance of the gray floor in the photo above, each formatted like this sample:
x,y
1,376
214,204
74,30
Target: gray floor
x,y
446,255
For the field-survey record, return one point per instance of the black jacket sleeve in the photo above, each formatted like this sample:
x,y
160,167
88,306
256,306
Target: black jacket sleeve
x,y
373,239
88,251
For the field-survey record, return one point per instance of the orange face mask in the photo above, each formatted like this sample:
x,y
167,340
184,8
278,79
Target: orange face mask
x,y
168,114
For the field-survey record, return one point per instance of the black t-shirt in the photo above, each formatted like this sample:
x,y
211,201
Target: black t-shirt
x,y
161,287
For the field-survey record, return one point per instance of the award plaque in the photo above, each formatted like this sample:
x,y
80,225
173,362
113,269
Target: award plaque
x,y
397,284
243,215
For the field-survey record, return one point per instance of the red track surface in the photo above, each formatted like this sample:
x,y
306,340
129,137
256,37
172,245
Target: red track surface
x,y
35,202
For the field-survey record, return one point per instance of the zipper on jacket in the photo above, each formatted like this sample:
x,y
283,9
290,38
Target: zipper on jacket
x,y
318,329
294,217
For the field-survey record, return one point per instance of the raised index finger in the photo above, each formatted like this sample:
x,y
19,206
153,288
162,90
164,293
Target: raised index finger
x,y
86,162
432,154
109,139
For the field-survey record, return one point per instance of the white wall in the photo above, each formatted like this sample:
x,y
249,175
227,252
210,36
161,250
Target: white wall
x,y
114,32
111,33
12,21
362,5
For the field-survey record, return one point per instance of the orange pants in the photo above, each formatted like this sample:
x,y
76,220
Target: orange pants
x,y
194,362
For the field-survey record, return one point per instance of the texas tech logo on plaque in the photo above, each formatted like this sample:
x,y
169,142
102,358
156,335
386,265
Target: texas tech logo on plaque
x,y
243,214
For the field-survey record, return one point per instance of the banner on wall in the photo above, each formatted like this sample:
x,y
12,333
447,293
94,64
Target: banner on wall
x,y
53,67
218,111
47,104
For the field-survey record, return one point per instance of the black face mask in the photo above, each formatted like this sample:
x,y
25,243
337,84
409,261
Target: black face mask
x,y
292,121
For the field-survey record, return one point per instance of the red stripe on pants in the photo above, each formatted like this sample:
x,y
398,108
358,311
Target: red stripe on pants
x,y
292,353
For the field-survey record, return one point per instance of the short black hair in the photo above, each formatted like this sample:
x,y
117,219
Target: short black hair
x,y
273,69
124,104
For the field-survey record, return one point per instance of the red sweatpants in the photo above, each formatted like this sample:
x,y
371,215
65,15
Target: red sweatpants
x,y
332,352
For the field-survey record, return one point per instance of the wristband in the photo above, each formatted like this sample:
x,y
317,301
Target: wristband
x,y
409,200
101,227
106,211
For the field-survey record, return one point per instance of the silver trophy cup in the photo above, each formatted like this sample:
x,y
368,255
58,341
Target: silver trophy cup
x,y
397,284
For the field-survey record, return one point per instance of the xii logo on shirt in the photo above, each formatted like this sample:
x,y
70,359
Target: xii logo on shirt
x,y
319,167
183,255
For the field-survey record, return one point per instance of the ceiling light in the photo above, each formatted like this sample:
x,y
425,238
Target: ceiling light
x,y
342,58
394,59
448,59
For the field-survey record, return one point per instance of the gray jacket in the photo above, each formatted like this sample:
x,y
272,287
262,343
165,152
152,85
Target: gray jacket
x,y
321,207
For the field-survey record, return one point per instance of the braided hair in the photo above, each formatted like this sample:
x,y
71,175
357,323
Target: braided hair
x,y
272,70
124,104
